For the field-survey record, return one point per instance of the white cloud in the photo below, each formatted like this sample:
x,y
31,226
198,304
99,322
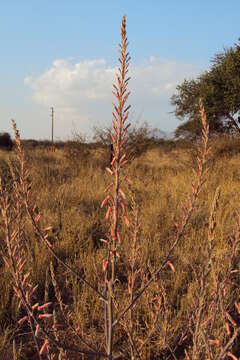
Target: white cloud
x,y
82,92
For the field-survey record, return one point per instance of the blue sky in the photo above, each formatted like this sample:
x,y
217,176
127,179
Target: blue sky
x,y
64,53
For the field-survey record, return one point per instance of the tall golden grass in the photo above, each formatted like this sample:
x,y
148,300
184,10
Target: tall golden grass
x,y
154,276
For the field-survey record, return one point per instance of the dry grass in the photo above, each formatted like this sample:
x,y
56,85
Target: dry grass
x,y
69,196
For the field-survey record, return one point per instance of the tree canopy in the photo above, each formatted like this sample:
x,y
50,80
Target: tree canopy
x,y
219,89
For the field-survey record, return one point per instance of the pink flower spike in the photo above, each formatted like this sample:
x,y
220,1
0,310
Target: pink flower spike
x,y
44,347
228,329
35,306
22,320
171,266
48,228
215,342
122,193
37,330
105,264
37,218
45,316
105,201
231,356
110,171
127,222
119,237
44,306
48,243
108,213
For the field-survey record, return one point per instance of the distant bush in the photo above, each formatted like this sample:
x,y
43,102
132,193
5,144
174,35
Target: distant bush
x,y
41,144
139,138
6,141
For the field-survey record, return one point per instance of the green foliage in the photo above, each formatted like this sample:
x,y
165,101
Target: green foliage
x,y
219,88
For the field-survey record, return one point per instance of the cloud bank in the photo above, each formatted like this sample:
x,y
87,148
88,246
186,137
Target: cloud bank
x,y
81,92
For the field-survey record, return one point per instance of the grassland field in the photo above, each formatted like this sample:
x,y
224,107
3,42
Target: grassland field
x,y
68,188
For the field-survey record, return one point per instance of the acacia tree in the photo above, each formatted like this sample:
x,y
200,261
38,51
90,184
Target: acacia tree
x,y
219,89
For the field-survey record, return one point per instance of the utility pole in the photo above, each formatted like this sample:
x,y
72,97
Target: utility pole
x,y
52,117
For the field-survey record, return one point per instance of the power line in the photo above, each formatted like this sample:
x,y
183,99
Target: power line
x,y
52,117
